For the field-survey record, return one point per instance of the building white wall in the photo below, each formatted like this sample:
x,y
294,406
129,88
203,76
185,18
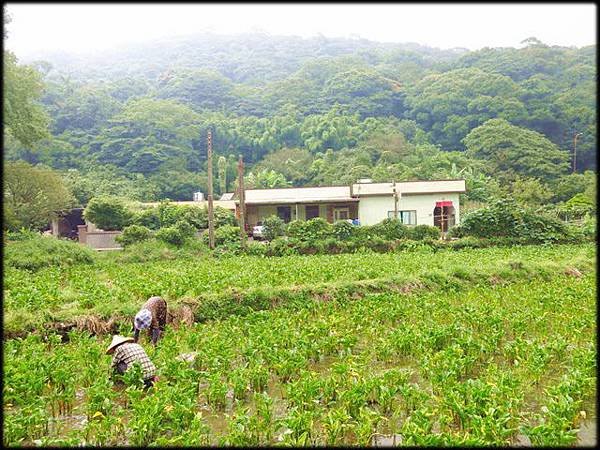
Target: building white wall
x,y
372,210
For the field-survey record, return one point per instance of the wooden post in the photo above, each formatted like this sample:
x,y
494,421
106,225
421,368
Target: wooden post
x,y
242,199
211,216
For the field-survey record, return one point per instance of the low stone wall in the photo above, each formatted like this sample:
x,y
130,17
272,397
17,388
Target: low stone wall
x,y
97,239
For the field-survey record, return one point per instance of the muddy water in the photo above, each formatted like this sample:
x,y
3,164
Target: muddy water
x,y
389,440
587,436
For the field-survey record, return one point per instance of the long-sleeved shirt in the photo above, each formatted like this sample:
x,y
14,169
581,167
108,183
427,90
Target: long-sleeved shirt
x,y
158,307
129,353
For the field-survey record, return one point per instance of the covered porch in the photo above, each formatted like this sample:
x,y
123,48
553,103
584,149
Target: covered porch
x,y
330,211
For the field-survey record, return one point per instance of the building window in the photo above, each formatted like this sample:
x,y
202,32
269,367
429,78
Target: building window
x,y
341,214
284,213
406,217
312,211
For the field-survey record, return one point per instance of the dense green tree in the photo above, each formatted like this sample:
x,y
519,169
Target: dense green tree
x,y
108,213
265,179
23,116
33,195
530,191
110,181
510,151
147,134
292,163
202,89
451,104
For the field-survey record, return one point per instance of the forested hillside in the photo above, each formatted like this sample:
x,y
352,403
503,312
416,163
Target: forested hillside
x,y
132,122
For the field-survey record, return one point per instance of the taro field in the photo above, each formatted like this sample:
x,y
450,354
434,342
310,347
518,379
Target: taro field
x,y
478,363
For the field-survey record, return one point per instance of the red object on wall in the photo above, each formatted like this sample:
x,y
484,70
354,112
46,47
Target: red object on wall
x,y
443,203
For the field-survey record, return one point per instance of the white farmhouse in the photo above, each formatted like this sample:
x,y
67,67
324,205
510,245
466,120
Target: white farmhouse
x,y
433,203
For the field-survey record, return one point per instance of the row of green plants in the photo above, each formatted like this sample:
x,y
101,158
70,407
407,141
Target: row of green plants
x,y
476,367
117,283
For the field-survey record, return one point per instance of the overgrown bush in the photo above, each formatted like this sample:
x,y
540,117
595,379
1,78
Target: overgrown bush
x,y
195,216
21,235
187,230
295,229
171,235
226,234
257,249
224,217
421,232
44,251
536,227
273,227
148,218
107,213
505,218
133,234
343,230
588,227
390,229
169,213
311,230
282,246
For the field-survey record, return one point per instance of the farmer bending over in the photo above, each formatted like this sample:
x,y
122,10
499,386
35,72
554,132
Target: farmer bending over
x,y
153,315
125,353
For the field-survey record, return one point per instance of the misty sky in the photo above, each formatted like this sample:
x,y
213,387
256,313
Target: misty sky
x,y
89,27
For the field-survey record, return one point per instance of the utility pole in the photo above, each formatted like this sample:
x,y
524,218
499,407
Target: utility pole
x,y
211,216
395,202
242,199
575,151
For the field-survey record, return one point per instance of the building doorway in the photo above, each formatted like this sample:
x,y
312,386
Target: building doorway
x,y
444,215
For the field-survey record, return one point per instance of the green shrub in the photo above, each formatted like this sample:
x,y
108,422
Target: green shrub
x,y
148,218
226,234
195,216
332,246
282,246
133,234
169,213
378,244
421,232
224,217
273,227
588,227
171,235
505,218
468,242
343,230
151,250
390,229
22,235
45,251
539,228
187,230
107,213
295,229
316,229
256,249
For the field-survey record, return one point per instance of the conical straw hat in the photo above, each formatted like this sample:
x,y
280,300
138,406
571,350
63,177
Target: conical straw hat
x,y
117,340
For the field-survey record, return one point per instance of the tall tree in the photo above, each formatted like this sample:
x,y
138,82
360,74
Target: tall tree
x,y
33,195
509,151
24,118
